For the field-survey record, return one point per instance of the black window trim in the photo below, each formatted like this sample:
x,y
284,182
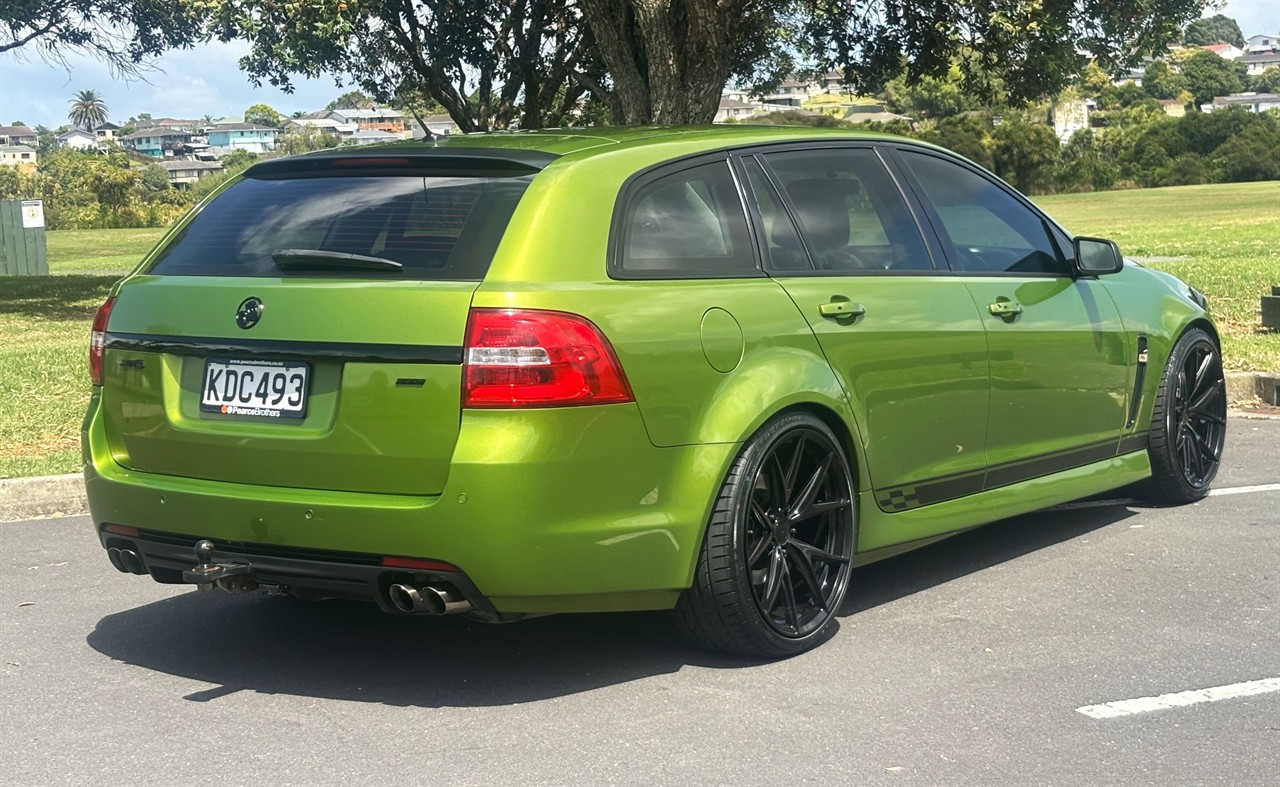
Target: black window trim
x,y
939,231
758,152
631,188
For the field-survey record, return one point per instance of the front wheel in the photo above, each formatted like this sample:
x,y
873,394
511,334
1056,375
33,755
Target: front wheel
x,y
1189,421
775,563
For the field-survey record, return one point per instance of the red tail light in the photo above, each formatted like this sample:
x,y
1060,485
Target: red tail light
x,y
527,358
97,339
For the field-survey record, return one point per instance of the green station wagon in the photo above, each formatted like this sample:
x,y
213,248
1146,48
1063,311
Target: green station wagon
x,y
708,370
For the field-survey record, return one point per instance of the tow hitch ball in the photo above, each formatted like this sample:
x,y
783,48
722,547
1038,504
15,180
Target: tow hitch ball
x,y
231,577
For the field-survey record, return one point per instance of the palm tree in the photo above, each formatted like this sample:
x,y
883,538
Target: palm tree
x,y
87,110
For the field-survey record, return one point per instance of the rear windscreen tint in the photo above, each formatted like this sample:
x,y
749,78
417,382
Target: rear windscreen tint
x,y
438,228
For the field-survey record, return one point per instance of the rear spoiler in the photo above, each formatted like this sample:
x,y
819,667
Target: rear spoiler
x,y
409,157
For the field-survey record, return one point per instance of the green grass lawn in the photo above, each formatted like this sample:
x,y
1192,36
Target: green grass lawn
x,y
1229,233
98,251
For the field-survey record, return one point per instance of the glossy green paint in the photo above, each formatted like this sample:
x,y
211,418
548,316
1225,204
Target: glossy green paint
x,y
361,433
603,508
915,358
1059,367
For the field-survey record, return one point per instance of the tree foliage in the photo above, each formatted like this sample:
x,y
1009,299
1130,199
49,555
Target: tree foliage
x,y
1216,29
88,110
1207,75
123,33
352,99
263,115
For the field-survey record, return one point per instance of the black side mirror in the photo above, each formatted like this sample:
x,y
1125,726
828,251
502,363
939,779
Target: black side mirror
x,y
1097,256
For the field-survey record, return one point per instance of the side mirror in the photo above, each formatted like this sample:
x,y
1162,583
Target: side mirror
x,y
1097,256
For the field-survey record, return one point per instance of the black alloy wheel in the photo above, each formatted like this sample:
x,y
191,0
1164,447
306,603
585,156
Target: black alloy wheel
x,y
1189,423
778,552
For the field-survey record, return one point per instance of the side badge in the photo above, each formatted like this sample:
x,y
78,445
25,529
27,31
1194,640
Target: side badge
x,y
248,313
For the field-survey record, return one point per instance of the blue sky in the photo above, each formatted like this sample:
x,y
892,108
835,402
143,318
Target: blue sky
x,y
206,81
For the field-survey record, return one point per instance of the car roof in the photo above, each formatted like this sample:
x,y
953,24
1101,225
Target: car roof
x,y
532,150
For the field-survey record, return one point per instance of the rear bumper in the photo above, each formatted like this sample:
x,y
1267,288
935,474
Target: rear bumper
x,y
562,510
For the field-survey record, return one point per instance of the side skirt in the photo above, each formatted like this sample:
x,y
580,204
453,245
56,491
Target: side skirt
x,y
878,530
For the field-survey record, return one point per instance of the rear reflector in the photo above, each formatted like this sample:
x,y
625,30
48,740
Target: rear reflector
x,y
121,530
531,358
98,338
420,565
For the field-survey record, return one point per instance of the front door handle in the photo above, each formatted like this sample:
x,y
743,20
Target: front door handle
x,y
1004,308
842,309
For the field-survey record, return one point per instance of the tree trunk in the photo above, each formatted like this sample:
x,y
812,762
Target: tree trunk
x,y
669,59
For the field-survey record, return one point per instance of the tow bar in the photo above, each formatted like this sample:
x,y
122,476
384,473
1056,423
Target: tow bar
x,y
231,577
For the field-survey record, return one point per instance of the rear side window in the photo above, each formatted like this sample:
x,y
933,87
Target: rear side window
x,y
689,224
436,228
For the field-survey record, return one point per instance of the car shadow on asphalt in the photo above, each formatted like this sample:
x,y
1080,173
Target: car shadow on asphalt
x,y
349,651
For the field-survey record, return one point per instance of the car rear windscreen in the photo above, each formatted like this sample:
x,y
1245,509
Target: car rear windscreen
x,y
436,228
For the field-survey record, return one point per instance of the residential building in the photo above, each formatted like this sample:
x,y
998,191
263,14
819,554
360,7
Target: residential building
x,y
1173,107
107,131
1254,102
184,172
157,142
734,108
327,125
1255,64
833,82
1258,44
372,136
792,92
21,156
1070,116
175,124
388,120
1225,51
436,126
77,138
244,136
17,135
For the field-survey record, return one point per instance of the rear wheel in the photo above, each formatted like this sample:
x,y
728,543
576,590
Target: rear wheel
x,y
775,563
1189,421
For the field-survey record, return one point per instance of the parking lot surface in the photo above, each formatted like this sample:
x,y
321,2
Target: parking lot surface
x,y
983,659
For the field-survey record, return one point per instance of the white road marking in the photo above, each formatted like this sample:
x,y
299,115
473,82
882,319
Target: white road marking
x,y
1111,710
1242,490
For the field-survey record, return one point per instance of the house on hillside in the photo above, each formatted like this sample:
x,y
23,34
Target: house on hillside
x,y
1254,102
106,132
77,138
184,172
23,157
833,82
1255,64
1173,107
734,108
792,92
156,142
329,126
17,135
244,136
372,136
1225,51
1256,45
388,120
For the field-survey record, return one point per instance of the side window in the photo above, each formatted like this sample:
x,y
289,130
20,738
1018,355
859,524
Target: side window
x,y
783,243
688,224
988,229
849,210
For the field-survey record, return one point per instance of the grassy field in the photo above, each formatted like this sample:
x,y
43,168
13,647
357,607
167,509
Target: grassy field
x,y
98,251
1229,235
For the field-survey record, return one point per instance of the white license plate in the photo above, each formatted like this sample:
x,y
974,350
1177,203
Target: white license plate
x,y
262,389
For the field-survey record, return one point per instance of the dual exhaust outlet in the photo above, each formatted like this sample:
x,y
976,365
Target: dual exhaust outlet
x,y
427,600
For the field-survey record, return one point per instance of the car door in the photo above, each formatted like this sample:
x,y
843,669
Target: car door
x,y
1058,361
903,336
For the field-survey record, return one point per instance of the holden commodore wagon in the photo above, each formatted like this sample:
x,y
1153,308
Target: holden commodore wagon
x,y
705,370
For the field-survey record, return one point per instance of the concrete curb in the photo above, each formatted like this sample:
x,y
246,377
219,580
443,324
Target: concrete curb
x,y
1249,387
45,495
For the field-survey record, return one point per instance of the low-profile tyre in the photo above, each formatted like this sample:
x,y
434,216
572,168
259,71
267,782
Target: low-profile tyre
x,y
1189,421
774,565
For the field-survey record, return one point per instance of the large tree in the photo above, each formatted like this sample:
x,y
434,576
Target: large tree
x,y
1216,29
88,110
1207,75
123,33
489,63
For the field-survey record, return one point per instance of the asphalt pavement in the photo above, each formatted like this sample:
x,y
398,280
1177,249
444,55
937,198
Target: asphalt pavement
x,y
963,663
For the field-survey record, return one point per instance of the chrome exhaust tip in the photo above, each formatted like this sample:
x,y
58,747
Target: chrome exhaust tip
x,y
113,554
131,561
427,600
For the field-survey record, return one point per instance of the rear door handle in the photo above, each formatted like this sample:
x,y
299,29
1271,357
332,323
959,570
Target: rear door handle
x,y
1004,308
842,309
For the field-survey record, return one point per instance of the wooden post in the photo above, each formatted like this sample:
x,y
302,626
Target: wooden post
x,y
22,241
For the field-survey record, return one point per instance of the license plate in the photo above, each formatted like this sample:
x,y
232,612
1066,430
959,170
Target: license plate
x,y
261,389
